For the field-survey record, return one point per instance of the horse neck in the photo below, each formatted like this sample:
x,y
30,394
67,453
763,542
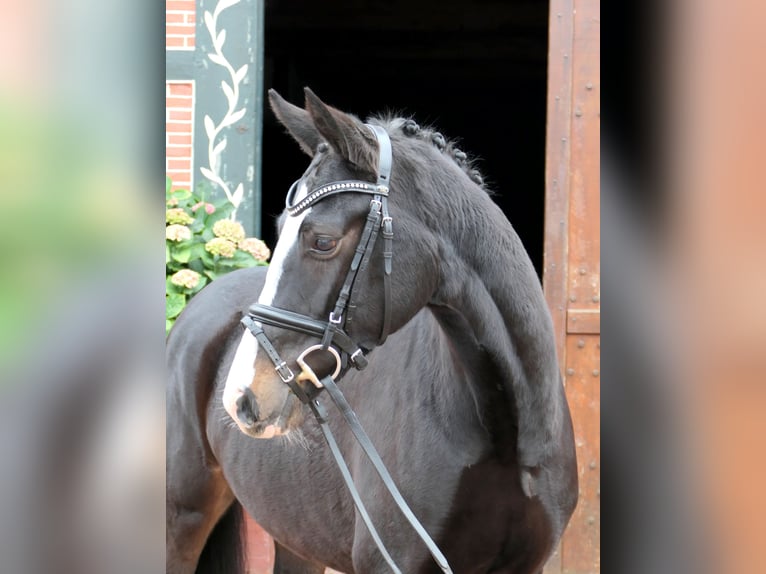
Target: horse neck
x,y
488,279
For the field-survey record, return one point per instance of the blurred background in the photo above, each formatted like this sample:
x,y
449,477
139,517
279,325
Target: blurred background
x,y
82,164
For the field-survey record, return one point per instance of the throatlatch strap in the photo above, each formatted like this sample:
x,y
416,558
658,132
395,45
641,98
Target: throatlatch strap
x,y
369,449
336,317
385,162
388,248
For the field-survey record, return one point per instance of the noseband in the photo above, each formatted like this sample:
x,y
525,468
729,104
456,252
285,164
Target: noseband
x,y
333,334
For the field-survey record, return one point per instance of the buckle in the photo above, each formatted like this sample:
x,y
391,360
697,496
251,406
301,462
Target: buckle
x,y
359,360
286,377
335,321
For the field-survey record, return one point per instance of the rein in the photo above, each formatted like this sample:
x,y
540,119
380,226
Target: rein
x,y
333,335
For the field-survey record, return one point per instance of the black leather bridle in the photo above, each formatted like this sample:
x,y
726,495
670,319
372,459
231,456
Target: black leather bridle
x,y
336,341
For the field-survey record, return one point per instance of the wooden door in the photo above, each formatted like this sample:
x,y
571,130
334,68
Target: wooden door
x,y
571,276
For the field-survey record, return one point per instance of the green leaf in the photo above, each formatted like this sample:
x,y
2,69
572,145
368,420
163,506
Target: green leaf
x,y
168,185
181,253
168,326
198,226
170,288
243,259
197,265
181,194
220,213
174,304
224,262
167,254
222,203
202,282
208,259
212,274
197,251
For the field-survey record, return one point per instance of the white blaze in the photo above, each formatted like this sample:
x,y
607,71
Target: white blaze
x,y
242,371
287,239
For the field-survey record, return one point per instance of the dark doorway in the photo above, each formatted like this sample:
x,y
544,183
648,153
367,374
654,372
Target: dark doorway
x,y
476,71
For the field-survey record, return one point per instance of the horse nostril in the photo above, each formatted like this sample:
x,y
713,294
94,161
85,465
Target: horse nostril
x,y
247,411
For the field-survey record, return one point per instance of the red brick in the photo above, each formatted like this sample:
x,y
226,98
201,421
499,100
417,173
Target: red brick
x,y
179,5
179,177
181,89
179,30
178,151
180,114
175,18
178,128
191,17
179,139
189,41
177,164
178,103
174,42
259,548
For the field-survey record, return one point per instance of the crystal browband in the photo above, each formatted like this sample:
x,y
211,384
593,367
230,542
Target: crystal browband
x,y
331,189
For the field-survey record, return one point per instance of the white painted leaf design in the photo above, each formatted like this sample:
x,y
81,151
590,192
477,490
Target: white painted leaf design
x,y
236,199
220,146
210,23
235,117
220,40
223,4
217,59
240,74
209,127
229,93
208,174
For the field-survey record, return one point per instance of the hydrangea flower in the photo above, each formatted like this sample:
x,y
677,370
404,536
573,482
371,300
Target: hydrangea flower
x,y
255,247
221,246
178,216
228,229
177,232
185,278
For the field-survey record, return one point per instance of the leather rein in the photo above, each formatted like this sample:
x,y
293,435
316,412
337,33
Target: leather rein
x,y
336,341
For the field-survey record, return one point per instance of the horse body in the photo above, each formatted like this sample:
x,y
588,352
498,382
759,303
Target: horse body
x,y
463,401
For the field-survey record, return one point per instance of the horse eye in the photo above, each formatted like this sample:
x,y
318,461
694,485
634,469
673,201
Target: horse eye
x,y
324,244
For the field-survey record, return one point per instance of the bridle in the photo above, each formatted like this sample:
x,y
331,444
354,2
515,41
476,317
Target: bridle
x,y
336,341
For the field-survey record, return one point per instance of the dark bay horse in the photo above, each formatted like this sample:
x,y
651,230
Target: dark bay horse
x,y
464,400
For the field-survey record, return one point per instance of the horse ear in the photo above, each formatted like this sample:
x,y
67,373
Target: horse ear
x,y
352,140
297,121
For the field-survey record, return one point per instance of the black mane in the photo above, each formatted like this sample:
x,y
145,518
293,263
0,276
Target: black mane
x,y
411,129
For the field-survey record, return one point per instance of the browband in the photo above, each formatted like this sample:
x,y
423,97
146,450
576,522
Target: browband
x,y
356,186
385,160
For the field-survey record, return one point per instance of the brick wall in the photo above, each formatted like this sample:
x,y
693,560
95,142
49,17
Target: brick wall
x,y
179,106
180,17
179,24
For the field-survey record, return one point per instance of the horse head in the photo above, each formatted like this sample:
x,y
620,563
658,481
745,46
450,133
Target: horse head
x,y
328,233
